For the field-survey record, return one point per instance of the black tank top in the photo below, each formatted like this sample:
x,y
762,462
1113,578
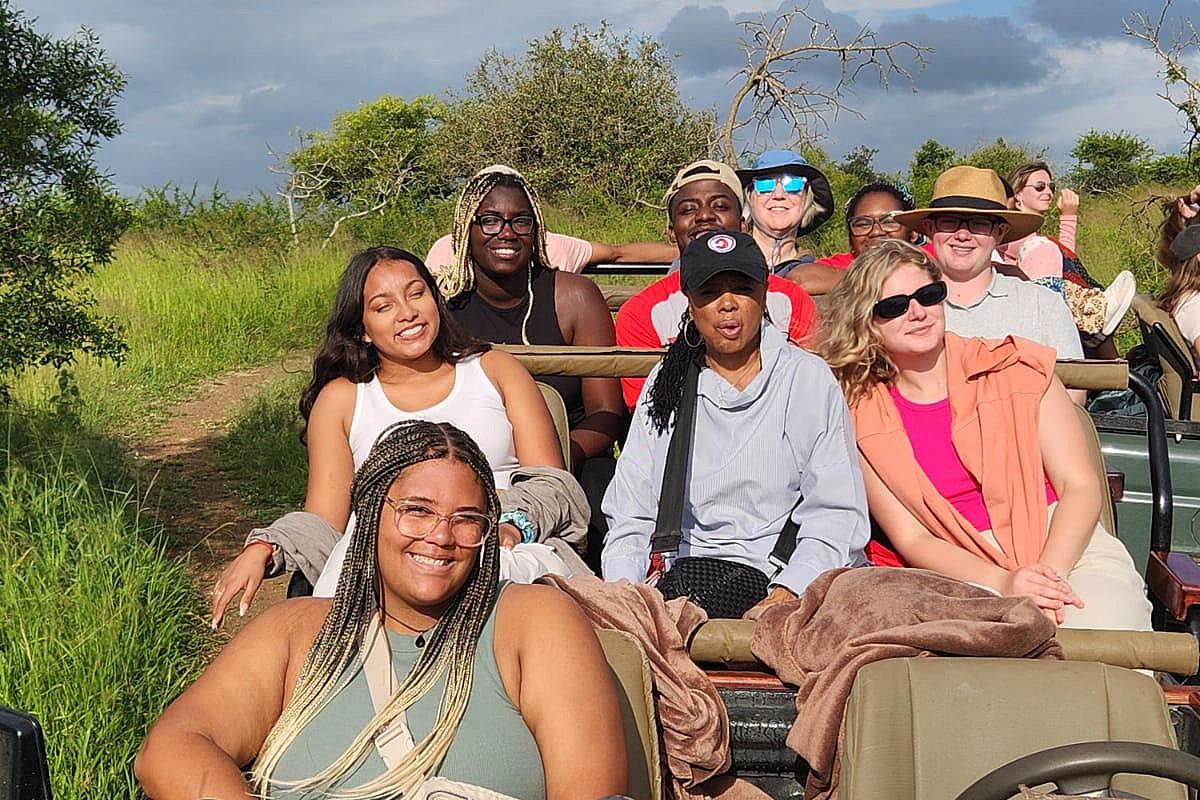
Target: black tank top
x,y
503,326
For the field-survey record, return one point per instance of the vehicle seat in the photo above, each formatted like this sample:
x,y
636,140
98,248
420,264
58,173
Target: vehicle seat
x,y
635,688
930,727
1108,517
558,413
1178,383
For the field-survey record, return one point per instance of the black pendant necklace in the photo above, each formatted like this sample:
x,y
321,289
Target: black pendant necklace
x,y
420,640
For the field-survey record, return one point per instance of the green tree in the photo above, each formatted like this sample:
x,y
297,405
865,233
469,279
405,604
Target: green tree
x,y
367,159
59,217
931,159
860,162
1003,156
1109,160
589,115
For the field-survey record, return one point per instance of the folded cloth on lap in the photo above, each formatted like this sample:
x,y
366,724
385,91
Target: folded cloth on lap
x,y
848,618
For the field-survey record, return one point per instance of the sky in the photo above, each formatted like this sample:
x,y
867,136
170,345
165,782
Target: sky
x,y
213,84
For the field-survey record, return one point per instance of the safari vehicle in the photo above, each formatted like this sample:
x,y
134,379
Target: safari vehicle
x,y
930,727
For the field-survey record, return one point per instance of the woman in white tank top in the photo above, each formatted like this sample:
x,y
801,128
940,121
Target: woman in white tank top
x,y
391,353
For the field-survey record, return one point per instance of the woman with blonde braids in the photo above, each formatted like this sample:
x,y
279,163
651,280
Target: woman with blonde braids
x,y
501,288
421,665
975,463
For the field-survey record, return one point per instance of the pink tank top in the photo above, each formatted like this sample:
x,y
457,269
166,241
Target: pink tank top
x,y
928,429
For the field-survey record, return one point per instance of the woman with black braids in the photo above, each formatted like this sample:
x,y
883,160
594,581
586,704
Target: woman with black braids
x,y
422,665
772,444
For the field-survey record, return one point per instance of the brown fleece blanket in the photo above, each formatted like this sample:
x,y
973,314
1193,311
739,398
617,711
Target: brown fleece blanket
x,y
691,715
849,618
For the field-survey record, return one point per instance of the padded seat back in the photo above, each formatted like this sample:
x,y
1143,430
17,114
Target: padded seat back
x,y
1108,516
635,687
1174,353
558,413
930,727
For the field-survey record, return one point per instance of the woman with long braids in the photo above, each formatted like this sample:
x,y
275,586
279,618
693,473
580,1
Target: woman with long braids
x,y
391,352
422,666
502,288
975,463
772,453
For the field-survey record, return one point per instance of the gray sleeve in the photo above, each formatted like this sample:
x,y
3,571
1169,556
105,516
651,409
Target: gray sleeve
x,y
1058,326
304,541
553,500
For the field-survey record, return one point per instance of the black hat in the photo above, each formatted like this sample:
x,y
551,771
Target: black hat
x,y
1186,243
720,251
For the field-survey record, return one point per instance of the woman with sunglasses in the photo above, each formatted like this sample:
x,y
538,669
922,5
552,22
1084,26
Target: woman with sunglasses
x,y
871,217
501,287
975,463
423,672
786,198
1052,262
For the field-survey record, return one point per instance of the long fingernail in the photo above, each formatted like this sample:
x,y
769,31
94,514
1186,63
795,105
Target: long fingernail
x,y
214,623
241,611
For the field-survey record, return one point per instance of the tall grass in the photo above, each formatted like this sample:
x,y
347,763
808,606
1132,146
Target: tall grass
x,y
100,627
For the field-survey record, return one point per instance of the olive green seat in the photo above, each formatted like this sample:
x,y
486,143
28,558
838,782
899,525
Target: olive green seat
x,y
1178,384
929,727
635,688
558,413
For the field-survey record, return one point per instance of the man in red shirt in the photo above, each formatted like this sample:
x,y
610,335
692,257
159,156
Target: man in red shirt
x,y
705,196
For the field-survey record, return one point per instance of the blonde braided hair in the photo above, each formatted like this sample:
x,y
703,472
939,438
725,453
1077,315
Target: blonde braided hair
x,y
458,277
450,647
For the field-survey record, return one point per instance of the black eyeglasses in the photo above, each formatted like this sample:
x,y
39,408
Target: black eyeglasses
x,y
895,306
492,224
980,226
1039,186
863,225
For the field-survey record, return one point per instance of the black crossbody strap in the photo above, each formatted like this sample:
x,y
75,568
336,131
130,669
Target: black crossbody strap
x,y
785,545
668,525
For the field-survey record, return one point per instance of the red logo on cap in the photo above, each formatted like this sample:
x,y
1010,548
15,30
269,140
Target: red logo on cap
x,y
722,243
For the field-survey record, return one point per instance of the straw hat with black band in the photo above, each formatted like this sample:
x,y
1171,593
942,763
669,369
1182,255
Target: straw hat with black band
x,y
777,162
973,192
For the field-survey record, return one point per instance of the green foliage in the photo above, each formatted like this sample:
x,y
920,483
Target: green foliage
x,y
931,159
100,626
1109,160
1003,156
368,156
215,224
1170,169
860,162
591,111
58,214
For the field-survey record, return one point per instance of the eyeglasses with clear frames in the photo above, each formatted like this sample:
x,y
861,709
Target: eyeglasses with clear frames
x,y
416,520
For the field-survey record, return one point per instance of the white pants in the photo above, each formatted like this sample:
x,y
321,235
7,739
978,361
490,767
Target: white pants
x,y
1108,583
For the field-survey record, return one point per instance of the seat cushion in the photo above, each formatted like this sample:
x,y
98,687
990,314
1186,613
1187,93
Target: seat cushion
x,y
930,727
635,687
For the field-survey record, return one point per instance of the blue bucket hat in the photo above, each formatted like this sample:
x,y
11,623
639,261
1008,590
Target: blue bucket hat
x,y
773,162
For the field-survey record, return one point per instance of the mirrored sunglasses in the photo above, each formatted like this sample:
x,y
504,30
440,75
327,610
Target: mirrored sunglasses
x,y
792,184
895,306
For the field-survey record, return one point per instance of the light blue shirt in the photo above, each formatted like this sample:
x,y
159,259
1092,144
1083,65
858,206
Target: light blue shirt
x,y
756,452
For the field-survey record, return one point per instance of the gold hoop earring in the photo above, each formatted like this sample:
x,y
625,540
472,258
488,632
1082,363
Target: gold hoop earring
x,y
691,324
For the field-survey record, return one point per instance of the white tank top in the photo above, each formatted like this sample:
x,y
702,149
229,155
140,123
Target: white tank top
x,y
474,405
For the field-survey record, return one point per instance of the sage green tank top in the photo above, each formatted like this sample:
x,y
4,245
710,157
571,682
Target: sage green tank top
x,y
493,747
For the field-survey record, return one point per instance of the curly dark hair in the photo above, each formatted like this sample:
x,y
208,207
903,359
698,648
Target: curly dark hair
x,y
344,354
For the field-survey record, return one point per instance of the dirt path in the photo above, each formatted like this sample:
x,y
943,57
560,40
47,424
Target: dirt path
x,y
208,521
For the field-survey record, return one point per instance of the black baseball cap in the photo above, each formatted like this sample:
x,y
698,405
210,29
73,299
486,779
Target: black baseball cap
x,y
720,251
1186,243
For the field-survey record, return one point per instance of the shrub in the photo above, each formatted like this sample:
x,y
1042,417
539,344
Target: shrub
x,y
590,109
1106,160
208,225
1003,156
930,160
1170,169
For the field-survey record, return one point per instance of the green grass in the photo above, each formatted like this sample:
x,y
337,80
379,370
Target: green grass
x,y
100,625
262,456
187,319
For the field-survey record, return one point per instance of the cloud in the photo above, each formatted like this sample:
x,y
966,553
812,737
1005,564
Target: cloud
x,y
705,40
1099,19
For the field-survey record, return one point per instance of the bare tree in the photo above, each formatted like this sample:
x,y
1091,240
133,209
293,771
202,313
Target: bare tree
x,y
1173,50
776,59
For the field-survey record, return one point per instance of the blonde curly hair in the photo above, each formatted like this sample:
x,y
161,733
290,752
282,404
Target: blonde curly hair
x,y
849,342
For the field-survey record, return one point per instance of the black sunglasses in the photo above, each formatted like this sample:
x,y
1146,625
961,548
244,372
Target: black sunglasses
x,y
895,306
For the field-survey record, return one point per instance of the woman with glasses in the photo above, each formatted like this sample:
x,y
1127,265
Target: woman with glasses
x,y
501,287
871,217
1052,262
975,463
786,198
424,675
391,353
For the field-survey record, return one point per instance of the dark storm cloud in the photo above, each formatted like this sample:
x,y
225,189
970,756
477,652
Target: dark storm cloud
x,y
1100,19
704,39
